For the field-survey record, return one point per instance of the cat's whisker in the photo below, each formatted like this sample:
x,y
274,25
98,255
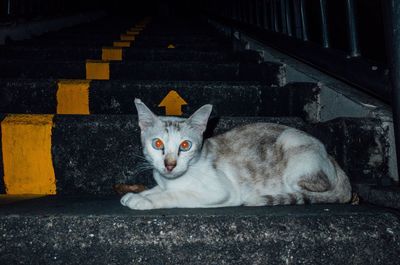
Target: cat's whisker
x,y
141,167
140,157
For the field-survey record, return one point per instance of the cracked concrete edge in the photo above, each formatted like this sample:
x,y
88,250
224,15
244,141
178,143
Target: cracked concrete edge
x,y
333,92
30,29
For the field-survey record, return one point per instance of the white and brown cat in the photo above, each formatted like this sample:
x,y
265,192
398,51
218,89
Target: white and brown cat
x,y
253,165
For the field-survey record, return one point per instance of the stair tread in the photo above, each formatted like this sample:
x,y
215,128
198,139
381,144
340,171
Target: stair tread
x,y
93,230
110,205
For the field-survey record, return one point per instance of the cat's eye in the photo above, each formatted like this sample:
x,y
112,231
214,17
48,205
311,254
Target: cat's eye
x,y
185,145
157,144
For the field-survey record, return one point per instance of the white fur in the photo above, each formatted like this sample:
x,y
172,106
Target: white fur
x,y
197,182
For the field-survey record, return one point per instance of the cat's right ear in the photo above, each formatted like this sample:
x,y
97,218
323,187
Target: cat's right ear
x,y
146,117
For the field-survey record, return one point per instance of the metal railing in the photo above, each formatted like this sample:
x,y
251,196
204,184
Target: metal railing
x,y
307,29
354,40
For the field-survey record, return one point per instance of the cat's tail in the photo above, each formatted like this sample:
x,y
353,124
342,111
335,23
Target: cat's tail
x,y
339,192
342,187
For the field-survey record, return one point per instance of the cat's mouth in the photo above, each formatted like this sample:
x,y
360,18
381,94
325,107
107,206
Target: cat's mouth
x,y
171,174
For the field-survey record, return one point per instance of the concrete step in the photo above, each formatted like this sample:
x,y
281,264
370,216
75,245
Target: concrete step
x,y
88,154
143,36
98,27
110,26
202,46
116,97
77,42
271,73
140,54
98,230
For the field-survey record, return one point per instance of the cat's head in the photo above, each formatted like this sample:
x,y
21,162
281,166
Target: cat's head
x,y
171,144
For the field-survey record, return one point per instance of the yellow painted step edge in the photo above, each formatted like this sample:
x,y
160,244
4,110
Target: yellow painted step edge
x,y
124,44
111,54
97,70
27,159
73,97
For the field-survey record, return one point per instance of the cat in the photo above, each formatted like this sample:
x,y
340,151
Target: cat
x,y
252,165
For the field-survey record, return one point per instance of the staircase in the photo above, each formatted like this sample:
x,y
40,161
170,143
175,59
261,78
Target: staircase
x,y
69,133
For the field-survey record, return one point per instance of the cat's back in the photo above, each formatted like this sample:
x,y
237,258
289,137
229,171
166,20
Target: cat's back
x,y
258,141
241,139
250,133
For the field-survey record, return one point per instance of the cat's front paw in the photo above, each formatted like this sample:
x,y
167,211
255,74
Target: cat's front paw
x,y
136,202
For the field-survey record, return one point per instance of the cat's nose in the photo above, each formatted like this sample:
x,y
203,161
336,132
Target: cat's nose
x,y
170,164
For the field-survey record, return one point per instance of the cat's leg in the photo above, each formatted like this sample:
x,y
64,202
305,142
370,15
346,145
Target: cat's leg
x,y
176,199
137,196
315,182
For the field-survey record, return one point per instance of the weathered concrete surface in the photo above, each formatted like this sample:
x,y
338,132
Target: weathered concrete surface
x,y
270,73
116,97
227,98
92,153
101,231
144,54
386,196
359,145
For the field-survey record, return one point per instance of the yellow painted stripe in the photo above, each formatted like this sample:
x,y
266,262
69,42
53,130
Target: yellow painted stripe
x,y
122,44
73,97
7,199
111,54
97,70
132,32
126,37
27,160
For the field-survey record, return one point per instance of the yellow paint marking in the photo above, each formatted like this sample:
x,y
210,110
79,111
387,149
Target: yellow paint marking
x,y
173,103
73,97
122,44
7,199
126,37
171,46
26,146
133,32
97,70
111,54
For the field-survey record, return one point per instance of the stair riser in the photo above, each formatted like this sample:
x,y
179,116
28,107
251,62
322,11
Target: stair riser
x,y
168,70
230,99
137,43
143,37
64,53
199,240
89,154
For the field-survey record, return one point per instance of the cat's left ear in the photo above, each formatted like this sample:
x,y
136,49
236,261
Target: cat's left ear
x,y
199,119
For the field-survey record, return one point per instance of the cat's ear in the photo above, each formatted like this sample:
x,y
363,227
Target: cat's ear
x,y
146,117
199,119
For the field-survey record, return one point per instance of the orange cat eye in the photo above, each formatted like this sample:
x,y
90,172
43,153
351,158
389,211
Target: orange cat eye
x,y
157,144
185,145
